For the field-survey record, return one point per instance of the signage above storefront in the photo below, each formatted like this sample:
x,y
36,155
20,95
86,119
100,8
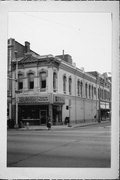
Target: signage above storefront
x,y
104,105
34,99
57,99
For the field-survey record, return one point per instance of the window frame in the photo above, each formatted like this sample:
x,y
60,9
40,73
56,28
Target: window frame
x,y
64,83
20,80
54,81
70,85
30,83
42,89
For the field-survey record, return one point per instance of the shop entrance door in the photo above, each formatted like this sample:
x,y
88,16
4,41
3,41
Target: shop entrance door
x,y
57,114
43,116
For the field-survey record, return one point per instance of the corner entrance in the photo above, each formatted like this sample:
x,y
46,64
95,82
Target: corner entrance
x,y
57,114
43,116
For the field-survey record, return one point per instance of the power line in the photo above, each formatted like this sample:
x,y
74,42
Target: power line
x,y
53,22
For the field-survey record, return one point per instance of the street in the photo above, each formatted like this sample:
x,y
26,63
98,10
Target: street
x,y
73,147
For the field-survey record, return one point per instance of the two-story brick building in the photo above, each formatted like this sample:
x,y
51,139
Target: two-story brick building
x,y
43,86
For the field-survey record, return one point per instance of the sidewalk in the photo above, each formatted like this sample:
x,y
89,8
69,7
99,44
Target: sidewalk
x,y
60,127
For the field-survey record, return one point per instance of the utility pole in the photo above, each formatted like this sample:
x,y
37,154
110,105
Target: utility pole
x,y
16,83
99,97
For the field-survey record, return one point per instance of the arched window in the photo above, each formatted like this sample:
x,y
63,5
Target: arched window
x,y
31,81
78,87
64,83
81,88
20,81
70,85
86,90
92,91
54,81
43,83
95,91
102,94
98,93
89,91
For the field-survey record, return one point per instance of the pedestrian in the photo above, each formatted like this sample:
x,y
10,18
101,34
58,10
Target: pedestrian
x,y
99,120
48,123
95,117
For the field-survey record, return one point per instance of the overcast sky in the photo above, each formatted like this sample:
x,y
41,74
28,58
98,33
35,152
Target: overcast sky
x,y
85,36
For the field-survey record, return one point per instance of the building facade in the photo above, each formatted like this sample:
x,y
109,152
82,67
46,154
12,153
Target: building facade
x,y
42,86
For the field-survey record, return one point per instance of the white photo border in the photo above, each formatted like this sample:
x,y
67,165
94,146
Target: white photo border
x,y
60,173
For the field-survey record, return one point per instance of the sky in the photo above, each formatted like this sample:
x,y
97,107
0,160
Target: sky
x,y
85,36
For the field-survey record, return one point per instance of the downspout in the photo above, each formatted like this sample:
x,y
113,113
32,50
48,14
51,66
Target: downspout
x,y
84,97
75,98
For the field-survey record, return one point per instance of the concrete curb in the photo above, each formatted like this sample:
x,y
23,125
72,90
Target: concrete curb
x,y
60,127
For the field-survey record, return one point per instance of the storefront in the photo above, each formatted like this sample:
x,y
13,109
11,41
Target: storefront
x,y
104,110
58,102
36,109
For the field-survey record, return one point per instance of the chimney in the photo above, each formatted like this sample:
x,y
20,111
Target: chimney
x,y
11,42
11,56
27,47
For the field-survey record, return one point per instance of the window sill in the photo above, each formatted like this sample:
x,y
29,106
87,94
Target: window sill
x,y
54,90
43,90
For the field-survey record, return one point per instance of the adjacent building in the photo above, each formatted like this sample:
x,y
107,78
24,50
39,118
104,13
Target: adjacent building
x,y
41,86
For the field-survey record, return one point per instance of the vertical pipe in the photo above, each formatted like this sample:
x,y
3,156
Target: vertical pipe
x,y
10,81
75,98
16,125
96,99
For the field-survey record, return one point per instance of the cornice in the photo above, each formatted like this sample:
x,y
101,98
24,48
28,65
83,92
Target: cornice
x,y
34,62
74,71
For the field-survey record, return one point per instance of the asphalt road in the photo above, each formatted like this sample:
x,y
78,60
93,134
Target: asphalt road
x,y
74,147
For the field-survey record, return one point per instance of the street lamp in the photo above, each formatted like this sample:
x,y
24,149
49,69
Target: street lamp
x,y
16,84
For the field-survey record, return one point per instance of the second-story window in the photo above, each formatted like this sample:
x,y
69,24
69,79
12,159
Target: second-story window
x,y
92,91
81,88
31,81
78,87
89,91
86,90
95,91
98,93
43,80
70,85
20,81
54,81
64,84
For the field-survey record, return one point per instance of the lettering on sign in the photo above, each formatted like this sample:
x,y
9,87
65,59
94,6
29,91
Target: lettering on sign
x,y
59,99
33,99
104,105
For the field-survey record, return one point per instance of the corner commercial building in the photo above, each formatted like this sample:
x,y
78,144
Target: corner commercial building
x,y
42,86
